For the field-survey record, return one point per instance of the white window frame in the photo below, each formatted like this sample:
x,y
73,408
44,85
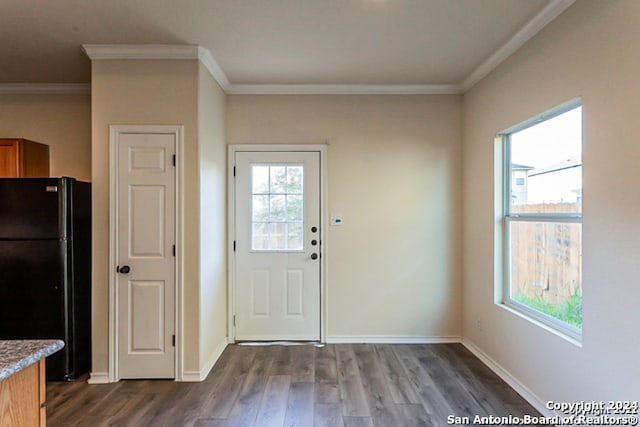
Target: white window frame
x,y
564,329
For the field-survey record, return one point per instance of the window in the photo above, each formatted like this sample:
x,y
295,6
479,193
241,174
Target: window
x,y
277,207
543,218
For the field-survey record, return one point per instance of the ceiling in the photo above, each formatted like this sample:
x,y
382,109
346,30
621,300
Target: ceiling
x,y
448,43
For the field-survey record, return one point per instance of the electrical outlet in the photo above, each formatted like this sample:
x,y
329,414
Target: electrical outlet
x,y
479,324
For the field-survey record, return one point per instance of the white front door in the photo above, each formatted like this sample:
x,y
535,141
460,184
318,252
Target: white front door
x,y
146,194
277,242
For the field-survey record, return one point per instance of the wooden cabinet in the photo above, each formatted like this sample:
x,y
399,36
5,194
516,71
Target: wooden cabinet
x,y
23,158
22,398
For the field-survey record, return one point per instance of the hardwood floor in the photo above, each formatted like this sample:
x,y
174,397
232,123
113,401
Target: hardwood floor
x,y
335,385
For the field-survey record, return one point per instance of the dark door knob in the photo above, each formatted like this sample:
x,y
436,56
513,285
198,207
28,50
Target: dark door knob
x,y
125,269
314,242
314,229
314,256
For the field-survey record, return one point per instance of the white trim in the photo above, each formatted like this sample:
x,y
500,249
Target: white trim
x,y
201,375
231,294
278,147
113,214
97,52
151,51
45,88
565,330
550,12
392,339
515,384
214,69
531,316
193,377
552,112
324,240
106,52
114,132
99,378
231,233
141,51
338,89
180,245
277,338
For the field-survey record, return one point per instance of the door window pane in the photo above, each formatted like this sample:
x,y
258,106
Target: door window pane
x,y
260,179
277,235
294,208
278,176
294,234
277,210
259,236
294,180
260,211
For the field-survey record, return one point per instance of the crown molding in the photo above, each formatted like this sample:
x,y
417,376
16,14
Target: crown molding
x,y
550,12
97,52
337,89
214,69
101,52
45,88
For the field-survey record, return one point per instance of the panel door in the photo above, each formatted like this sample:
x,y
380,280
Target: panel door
x,y
146,264
277,246
9,159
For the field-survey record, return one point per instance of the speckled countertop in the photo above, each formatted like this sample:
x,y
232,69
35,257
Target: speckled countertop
x,y
15,355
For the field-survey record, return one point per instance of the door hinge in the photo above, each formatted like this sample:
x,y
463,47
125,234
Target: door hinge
x,y
234,320
173,340
234,171
234,246
174,160
174,250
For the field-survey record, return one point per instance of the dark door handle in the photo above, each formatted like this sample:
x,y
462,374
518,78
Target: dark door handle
x,y
314,229
314,256
314,242
125,269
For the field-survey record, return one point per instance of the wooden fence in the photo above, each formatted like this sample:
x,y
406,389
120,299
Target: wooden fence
x,y
547,257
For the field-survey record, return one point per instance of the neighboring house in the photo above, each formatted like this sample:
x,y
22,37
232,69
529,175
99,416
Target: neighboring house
x,y
519,184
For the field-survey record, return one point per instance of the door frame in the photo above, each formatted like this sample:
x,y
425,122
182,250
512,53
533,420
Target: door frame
x,y
114,136
231,199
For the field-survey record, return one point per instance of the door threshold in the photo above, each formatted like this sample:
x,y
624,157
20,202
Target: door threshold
x,y
282,343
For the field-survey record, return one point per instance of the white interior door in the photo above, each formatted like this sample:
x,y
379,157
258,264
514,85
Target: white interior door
x,y
145,255
277,197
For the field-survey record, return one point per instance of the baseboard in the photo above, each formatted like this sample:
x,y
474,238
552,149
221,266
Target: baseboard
x,y
98,378
201,375
520,388
392,339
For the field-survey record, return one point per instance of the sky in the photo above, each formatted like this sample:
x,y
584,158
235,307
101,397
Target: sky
x,y
546,144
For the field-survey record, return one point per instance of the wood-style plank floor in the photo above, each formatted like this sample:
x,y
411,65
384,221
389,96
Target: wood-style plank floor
x,y
335,385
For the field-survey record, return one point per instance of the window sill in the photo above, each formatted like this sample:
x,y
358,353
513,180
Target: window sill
x,y
575,340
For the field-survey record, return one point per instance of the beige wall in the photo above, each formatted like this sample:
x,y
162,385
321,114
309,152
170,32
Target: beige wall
x,y
394,175
145,92
61,121
212,151
589,51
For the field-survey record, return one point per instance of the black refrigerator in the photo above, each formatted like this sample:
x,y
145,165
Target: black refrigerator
x,y
45,268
